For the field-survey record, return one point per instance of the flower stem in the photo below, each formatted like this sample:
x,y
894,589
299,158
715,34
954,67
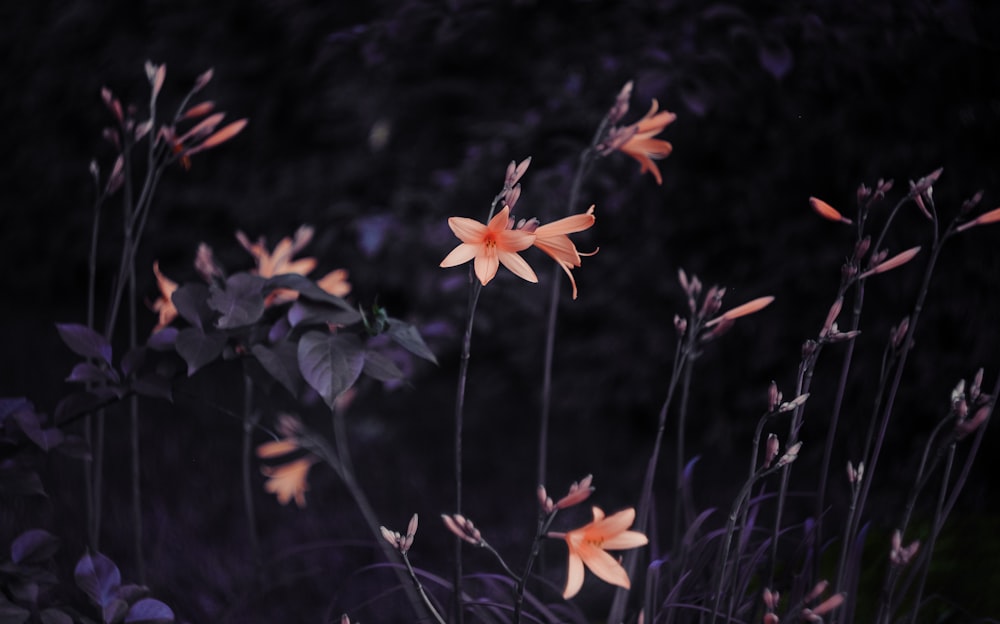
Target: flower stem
x,y
249,423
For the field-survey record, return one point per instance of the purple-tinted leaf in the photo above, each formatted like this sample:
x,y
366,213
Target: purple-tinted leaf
x,y
75,404
9,406
33,546
31,424
279,330
131,592
133,361
149,611
775,56
407,336
381,367
10,613
88,372
163,340
198,348
240,303
74,446
330,364
99,578
191,301
311,312
281,363
84,341
24,591
20,483
155,386
114,611
308,289
53,615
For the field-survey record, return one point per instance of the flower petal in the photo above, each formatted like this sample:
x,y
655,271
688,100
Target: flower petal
x,y
625,540
603,565
500,220
567,225
615,523
276,448
517,266
460,255
514,240
574,575
486,266
467,230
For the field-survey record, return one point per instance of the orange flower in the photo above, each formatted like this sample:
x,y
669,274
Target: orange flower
x,y
287,481
588,546
490,246
637,140
164,305
281,262
552,239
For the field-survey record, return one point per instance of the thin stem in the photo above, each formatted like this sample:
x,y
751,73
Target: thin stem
x,y
93,525
681,434
250,418
420,589
543,527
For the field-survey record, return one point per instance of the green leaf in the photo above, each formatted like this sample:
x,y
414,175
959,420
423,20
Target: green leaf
x,y
330,363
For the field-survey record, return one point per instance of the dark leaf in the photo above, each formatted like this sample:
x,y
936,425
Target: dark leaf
x,y
74,446
99,578
131,592
133,361
9,406
329,363
10,613
155,386
162,340
149,611
308,289
114,611
281,363
53,615
31,424
21,483
191,301
84,341
381,367
279,330
311,312
75,404
25,592
88,372
33,546
241,303
198,348
407,336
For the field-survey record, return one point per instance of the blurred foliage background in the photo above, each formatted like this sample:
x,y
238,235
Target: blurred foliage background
x,y
376,121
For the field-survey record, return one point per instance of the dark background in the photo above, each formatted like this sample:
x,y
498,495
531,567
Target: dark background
x,y
776,101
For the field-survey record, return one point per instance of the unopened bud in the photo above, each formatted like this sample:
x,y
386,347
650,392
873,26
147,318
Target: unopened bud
x,y
896,261
817,591
791,454
770,449
925,183
721,328
680,324
989,217
861,248
771,598
828,605
773,397
831,316
972,202
883,186
620,107
863,193
579,491
827,211
513,195
977,383
712,302
808,348
793,404
515,171
898,333
965,428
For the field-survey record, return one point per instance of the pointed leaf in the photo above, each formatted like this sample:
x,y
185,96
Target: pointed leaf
x,y
381,367
115,610
33,546
10,406
163,340
198,348
133,361
191,301
311,312
31,424
88,372
407,336
308,289
155,386
281,363
84,341
73,405
149,611
330,364
53,615
98,577
21,483
240,303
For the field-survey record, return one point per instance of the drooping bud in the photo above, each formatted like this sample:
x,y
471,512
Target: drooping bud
x,y
773,397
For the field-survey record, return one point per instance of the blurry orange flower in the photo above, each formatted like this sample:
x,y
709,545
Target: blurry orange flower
x,y
589,544
637,140
490,246
552,239
281,261
165,304
287,481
